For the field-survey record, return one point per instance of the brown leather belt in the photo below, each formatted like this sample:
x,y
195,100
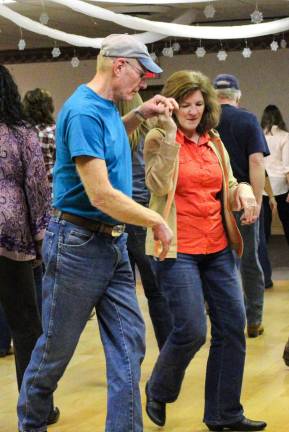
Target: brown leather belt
x,y
90,224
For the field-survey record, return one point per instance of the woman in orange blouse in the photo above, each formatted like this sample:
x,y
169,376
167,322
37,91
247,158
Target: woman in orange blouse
x,y
191,182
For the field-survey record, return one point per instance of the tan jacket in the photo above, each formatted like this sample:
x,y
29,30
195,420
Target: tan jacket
x,y
162,162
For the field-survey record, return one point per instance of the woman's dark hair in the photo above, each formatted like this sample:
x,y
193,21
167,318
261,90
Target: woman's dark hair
x,y
38,107
11,109
272,117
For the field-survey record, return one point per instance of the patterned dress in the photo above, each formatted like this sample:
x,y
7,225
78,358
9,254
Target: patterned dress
x,y
24,193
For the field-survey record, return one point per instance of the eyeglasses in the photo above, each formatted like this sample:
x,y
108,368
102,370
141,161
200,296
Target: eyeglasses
x,y
141,73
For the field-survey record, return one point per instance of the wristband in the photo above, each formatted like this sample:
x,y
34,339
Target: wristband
x,y
139,115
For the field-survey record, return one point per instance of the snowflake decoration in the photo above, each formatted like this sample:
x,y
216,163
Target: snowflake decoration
x,y
168,52
165,51
75,62
222,55
55,52
274,45
283,43
21,45
176,46
256,17
247,52
44,18
200,52
209,11
153,56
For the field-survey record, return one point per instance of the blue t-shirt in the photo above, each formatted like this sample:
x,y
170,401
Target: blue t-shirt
x,y
89,125
242,136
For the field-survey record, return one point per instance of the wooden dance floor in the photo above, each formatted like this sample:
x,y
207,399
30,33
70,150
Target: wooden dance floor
x,y
81,395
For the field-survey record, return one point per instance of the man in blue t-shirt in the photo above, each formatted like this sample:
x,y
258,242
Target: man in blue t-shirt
x,y
84,249
244,139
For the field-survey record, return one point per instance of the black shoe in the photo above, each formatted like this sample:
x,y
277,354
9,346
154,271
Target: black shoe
x,y
156,410
53,416
243,425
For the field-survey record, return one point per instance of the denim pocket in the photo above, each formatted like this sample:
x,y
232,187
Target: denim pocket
x,y
77,237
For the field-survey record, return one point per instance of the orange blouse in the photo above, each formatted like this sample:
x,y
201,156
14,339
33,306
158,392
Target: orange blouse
x,y
199,219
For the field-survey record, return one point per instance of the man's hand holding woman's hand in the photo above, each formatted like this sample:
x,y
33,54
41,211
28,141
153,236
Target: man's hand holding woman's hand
x,y
158,105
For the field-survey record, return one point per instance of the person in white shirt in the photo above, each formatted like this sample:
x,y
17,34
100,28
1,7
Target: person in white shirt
x,y
277,164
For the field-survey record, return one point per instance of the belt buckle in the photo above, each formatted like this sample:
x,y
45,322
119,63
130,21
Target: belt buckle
x,y
117,230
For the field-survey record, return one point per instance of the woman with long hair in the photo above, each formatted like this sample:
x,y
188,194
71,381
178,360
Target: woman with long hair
x,y
277,163
39,108
25,206
190,178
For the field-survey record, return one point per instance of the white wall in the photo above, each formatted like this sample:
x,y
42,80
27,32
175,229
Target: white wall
x,y
264,77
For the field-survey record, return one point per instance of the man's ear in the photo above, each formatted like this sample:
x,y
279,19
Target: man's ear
x,y
117,66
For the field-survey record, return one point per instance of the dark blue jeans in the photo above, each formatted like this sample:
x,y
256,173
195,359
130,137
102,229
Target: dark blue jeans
x,y
157,302
188,281
263,249
83,270
251,271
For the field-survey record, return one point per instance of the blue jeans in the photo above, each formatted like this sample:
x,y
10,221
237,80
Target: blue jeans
x,y
157,302
251,272
83,270
189,280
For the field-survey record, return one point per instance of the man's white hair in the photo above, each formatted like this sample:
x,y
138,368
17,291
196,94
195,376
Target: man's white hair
x,y
229,93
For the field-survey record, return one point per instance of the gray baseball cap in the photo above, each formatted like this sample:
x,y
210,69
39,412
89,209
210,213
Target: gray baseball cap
x,y
127,46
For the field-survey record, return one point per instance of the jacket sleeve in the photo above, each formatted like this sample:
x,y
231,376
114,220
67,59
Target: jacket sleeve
x,y
161,157
36,185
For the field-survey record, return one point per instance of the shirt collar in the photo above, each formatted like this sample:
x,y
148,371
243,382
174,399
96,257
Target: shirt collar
x,y
182,139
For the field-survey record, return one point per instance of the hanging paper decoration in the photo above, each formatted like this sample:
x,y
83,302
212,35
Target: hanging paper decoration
x,y
274,45
222,55
21,44
200,52
283,43
209,11
153,56
176,47
247,52
157,30
168,52
44,18
75,62
55,52
256,16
